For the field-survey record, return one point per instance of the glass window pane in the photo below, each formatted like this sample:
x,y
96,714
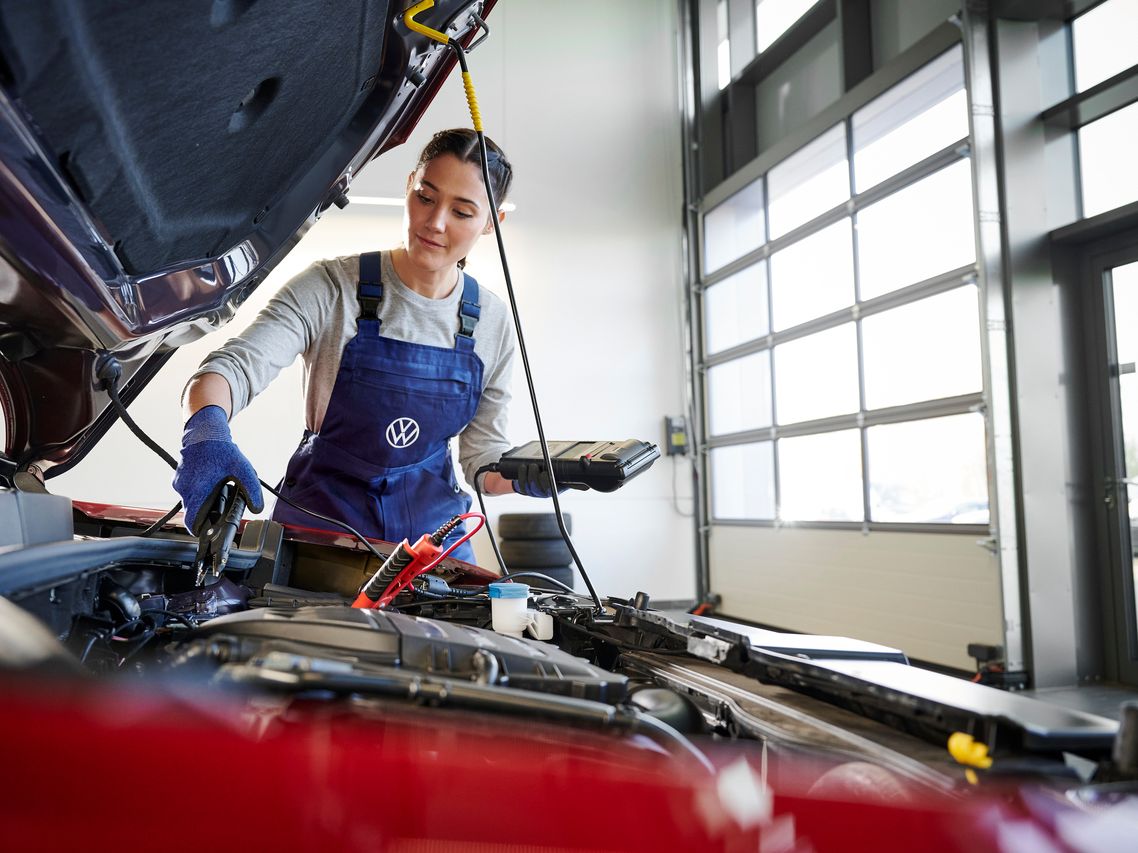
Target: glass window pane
x,y
816,376
735,309
813,277
723,57
733,228
914,119
809,182
739,394
1104,41
1128,405
820,477
918,232
924,350
929,471
742,481
775,17
1106,159
1125,292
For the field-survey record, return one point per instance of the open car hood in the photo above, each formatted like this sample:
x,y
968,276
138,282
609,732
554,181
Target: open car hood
x,y
157,162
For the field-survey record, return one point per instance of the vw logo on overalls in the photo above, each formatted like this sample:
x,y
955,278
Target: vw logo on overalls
x,y
402,432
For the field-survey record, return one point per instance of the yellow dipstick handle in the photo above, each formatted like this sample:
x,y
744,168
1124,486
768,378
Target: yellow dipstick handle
x,y
968,752
415,26
467,83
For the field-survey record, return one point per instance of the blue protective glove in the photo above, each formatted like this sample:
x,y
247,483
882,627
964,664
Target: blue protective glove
x,y
533,482
210,459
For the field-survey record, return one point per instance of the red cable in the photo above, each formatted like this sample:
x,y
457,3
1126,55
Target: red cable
x,y
414,570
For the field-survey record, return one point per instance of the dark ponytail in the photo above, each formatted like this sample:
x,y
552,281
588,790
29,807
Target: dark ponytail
x,y
463,144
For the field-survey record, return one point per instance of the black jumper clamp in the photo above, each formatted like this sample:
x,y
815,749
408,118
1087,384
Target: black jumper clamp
x,y
216,539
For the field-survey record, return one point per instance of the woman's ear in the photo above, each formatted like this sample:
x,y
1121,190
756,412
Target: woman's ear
x,y
410,181
490,222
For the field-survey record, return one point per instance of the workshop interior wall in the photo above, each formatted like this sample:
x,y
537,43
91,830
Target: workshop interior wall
x,y
590,119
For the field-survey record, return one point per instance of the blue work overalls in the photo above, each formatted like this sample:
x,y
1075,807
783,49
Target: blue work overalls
x,y
381,461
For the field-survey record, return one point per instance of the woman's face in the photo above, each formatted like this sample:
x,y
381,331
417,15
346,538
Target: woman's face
x,y
445,213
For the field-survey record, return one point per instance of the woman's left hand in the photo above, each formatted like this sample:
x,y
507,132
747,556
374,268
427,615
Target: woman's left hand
x,y
533,481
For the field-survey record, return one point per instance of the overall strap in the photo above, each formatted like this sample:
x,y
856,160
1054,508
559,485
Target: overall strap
x,y
369,293
469,310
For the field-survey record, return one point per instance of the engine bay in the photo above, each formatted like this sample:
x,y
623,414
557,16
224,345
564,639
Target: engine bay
x,y
277,626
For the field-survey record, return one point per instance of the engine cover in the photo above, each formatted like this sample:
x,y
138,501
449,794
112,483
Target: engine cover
x,y
416,644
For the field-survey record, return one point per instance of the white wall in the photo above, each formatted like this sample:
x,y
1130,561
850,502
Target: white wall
x,y
582,96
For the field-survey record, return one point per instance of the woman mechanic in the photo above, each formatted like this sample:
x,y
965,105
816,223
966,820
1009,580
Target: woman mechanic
x,y
402,351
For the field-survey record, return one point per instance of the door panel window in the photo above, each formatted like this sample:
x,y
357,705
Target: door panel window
x,y
918,232
911,121
930,471
742,477
924,350
821,477
735,309
739,392
816,376
813,277
734,228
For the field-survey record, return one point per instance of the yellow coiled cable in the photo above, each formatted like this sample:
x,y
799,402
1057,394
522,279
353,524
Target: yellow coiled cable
x,y
472,100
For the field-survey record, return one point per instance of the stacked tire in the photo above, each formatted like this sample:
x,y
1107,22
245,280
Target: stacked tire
x,y
532,542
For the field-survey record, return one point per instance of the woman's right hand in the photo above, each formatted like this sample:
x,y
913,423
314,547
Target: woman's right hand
x,y
210,459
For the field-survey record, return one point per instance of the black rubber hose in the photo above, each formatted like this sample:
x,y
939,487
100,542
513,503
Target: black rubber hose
x,y
546,578
522,345
112,390
482,506
109,372
160,523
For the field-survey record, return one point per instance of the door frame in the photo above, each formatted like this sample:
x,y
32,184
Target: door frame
x,y
1115,564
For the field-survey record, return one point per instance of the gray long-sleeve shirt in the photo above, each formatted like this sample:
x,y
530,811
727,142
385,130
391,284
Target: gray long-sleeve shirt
x,y
314,315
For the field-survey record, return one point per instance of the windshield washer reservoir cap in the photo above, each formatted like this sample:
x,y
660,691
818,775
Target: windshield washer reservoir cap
x,y
509,589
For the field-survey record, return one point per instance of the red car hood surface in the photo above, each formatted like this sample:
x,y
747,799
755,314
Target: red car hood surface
x,y
97,769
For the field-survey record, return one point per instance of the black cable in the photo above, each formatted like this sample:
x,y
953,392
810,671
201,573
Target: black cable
x,y
142,620
675,495
160,523
458,49
112,391
95,637
547,578
333,521
482,505
142,643
649,726
430,596
428,601
124,626
626,647
181,617
110,382
451,591
494,542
